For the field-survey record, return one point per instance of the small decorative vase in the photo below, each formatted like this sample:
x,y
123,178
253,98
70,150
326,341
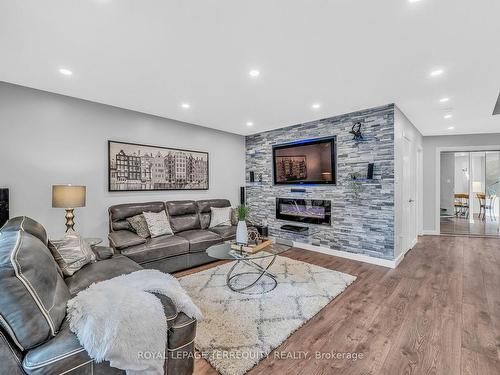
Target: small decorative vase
x,y
241,232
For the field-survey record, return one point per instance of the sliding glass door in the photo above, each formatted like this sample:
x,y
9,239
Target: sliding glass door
x,y
470,186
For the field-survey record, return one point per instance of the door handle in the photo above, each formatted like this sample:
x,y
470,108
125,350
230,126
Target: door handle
x,y
411,200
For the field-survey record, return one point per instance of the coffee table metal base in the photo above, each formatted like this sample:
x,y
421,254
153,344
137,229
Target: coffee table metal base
x,y
259,273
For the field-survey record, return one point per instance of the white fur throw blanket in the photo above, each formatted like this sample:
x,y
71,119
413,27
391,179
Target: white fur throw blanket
x,y
118,319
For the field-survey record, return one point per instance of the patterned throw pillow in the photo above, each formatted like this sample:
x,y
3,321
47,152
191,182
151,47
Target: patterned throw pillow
x,y
158,223
220,216
71,252
138,222
234,216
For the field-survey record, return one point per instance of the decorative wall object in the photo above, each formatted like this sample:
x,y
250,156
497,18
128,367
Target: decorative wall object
x,y
363,224
136,167
356,131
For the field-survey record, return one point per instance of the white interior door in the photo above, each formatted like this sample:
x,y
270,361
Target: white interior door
x,y
409,218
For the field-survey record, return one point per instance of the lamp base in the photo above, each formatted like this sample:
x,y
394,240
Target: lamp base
x,y
70,223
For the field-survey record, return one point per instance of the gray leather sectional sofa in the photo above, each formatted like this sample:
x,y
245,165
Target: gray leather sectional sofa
x,y
190,222
34,334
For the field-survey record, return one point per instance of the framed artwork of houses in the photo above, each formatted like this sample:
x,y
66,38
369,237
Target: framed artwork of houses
x,y
136,167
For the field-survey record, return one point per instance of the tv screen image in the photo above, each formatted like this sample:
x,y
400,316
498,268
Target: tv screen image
x,y
291,168
305,162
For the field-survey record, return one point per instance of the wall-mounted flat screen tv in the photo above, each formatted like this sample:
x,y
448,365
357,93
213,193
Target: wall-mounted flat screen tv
x,y
305,162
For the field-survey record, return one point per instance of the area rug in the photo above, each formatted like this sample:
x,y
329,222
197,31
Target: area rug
x,y
239,330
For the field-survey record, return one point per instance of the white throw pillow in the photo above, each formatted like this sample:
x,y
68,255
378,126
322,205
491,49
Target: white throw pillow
x,y
158,223
220,216
71,252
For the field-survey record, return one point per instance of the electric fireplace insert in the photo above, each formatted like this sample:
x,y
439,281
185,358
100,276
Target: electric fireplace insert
x,y
311,211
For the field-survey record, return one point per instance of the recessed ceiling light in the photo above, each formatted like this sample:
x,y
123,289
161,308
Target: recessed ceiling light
x,y
448,115
254,73
444,100
316,106
437,72
249,123
65,71
413,1
186,105
451,127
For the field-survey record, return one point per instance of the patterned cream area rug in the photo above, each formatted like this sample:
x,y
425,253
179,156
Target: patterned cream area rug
x,y
239,330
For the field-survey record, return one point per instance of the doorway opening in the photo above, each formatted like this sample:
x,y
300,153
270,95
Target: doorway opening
x,y
469,193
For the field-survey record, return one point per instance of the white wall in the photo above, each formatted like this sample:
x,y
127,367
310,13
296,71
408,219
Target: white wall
x,y
448,182
403,128
48,139
431,160
462,172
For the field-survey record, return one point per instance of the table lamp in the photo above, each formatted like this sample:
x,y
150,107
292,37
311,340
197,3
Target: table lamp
x,y
68,197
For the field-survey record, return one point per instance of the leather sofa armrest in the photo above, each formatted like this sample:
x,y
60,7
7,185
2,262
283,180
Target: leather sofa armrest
x,y
103,252
122,239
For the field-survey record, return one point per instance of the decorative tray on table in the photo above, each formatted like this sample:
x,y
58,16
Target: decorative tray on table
x,y
251,248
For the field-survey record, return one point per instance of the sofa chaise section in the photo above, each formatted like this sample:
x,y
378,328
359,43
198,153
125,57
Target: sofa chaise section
x,y
34,333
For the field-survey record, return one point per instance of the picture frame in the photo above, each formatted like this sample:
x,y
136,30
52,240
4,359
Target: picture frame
x,y
141,167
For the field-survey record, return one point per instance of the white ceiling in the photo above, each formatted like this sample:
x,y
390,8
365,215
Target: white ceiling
x,y
151,56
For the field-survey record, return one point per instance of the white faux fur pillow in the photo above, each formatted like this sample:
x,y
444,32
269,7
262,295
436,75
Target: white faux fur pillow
x,y
158,223
220,216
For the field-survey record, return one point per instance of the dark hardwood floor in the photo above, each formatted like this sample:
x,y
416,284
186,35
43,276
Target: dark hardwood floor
x,y
437,313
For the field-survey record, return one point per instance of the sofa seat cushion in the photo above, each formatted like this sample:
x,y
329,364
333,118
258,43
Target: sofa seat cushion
x,y
56,356
225,231
121,239
157,248
200,240
99,271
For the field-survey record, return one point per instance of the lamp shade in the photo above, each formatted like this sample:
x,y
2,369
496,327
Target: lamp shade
x,y
68,196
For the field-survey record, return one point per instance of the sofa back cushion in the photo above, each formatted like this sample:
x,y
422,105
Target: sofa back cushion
x,y
204,209
183,215
28,225
33,295
119,213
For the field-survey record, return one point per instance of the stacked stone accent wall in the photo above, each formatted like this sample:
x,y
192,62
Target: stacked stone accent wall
x,y
362,224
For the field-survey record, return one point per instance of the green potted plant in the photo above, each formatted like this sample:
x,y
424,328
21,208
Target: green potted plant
x,y
241,230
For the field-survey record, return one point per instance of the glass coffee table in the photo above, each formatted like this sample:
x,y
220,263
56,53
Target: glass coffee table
x,y
259,264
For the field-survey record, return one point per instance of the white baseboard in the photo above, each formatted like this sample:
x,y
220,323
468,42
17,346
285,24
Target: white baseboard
x,y
412,244
353,256
430,233
399,259
401,256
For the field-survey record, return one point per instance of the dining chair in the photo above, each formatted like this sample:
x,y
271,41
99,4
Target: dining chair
x,y
461,204
481,197
490,207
